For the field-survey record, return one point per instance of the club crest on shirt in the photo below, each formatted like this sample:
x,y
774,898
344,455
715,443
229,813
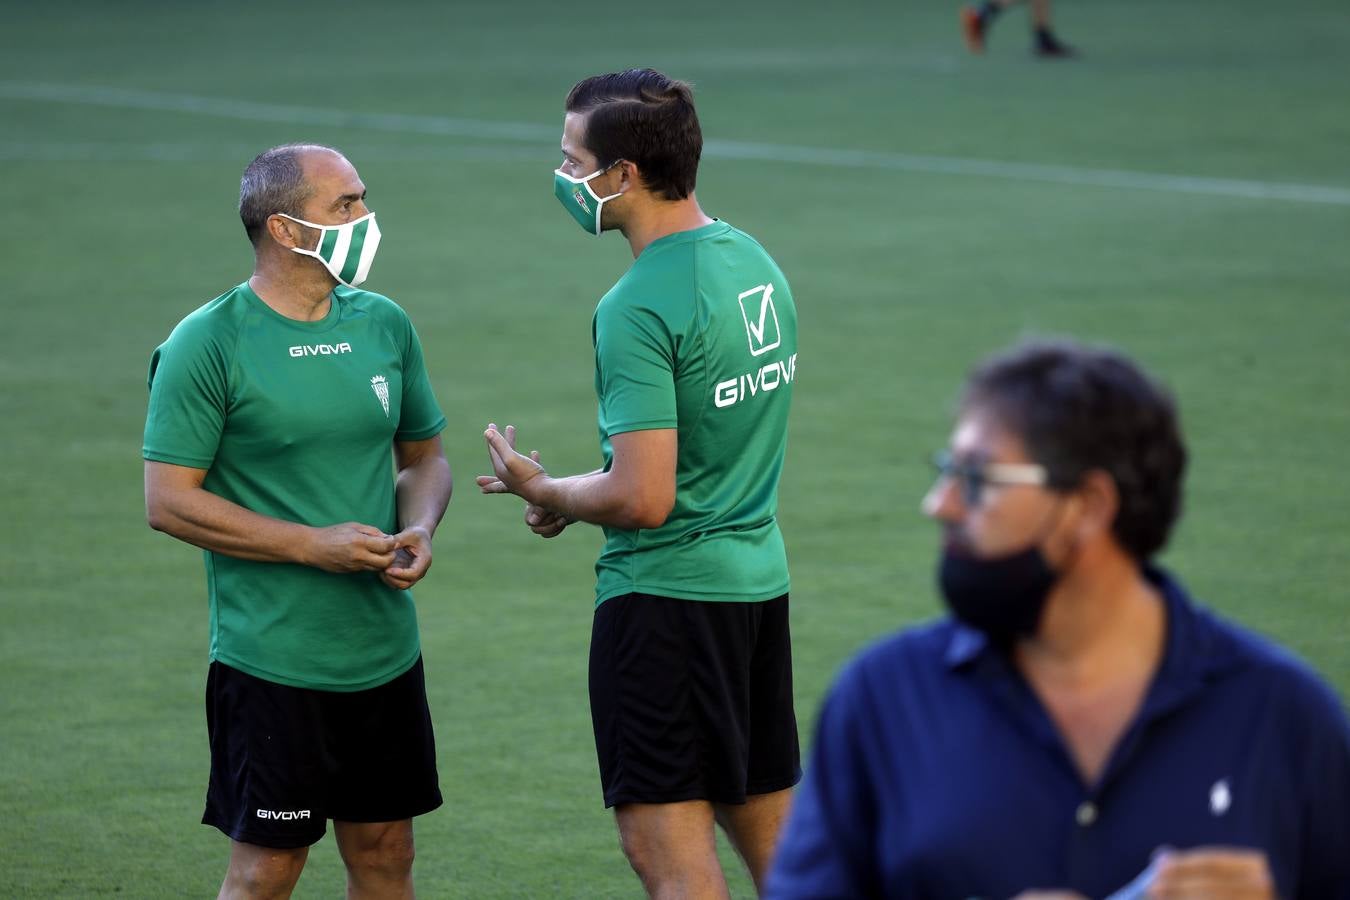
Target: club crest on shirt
x,y
381,389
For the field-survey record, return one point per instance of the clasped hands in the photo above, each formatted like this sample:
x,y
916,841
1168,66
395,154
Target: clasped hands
x,y
400,559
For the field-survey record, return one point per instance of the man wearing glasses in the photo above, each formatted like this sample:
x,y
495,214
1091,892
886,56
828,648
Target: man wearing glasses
x,y
1078,724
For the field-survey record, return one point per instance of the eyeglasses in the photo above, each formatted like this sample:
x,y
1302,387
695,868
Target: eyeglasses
x,y
973,477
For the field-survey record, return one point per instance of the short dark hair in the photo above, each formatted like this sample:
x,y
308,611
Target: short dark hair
x,y
646,118
1080,408
274,183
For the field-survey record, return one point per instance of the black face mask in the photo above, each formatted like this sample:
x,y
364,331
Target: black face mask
x,y
1002,597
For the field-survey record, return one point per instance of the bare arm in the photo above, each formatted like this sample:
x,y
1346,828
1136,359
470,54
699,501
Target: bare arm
x,y
638,491
177,504
423,489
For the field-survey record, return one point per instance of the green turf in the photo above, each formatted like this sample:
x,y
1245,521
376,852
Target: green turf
x,y
117,221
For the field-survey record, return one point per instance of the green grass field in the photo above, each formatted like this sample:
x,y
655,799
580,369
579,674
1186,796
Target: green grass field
x,y
928,206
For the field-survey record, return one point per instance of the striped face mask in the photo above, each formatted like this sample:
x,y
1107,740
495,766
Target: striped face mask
x,y
345,250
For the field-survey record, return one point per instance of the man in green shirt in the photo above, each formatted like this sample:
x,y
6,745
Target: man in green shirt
x,y
695,359
293,435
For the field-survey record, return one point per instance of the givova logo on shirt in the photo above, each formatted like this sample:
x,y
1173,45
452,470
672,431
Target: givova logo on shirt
x,y
761,319
300,350
761,381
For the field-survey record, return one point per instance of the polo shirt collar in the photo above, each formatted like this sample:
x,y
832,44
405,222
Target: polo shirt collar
x,y
1195,650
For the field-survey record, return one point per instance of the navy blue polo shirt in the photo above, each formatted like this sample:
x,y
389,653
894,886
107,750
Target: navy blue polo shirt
x,y
937,773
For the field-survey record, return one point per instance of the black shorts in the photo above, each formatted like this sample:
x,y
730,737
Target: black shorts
x,y
692,699
284,759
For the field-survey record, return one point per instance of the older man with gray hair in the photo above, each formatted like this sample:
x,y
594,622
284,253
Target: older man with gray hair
x,y
293,435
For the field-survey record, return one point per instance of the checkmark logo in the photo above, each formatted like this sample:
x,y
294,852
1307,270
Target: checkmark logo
x,y
761,319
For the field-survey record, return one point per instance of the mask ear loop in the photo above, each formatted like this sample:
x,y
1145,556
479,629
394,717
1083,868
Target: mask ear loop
x,y
606,169
600,201
599,205
317,244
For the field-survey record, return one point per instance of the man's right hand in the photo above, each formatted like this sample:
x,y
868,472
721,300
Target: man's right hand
x,y
350,547
545,523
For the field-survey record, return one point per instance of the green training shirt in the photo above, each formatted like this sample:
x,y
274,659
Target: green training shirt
x,y
700,335
296,420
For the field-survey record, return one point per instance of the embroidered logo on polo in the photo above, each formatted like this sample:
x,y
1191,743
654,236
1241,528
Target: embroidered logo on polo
x,y
381,389
1220,797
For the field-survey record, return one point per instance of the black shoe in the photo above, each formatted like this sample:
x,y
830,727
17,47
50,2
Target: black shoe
x,y
1048,46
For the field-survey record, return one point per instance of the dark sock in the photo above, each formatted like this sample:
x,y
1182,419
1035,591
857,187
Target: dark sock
x,y
988,10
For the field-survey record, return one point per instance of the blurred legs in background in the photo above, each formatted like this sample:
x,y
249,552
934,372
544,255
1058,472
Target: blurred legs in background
x,y
976,21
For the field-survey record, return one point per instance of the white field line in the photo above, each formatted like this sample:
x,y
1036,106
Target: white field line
x,y
247,110
202,151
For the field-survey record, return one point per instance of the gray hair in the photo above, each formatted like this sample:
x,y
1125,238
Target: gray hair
x,y
274,183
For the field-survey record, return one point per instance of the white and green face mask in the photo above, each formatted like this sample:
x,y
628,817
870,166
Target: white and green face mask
x,y
579,199
346,250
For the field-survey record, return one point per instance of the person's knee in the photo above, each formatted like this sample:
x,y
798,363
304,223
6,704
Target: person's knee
x,y
389,852
264,875
754,828
658,847
639,849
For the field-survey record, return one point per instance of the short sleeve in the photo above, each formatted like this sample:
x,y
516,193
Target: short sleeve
x,y
1324,870
825,851
189,393
635,368
420,417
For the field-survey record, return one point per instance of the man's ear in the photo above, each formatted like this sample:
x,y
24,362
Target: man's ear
x,y
286,233
629,177
1100,503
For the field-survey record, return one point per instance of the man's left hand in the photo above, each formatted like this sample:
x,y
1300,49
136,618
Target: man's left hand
x,y
412,558
512,471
